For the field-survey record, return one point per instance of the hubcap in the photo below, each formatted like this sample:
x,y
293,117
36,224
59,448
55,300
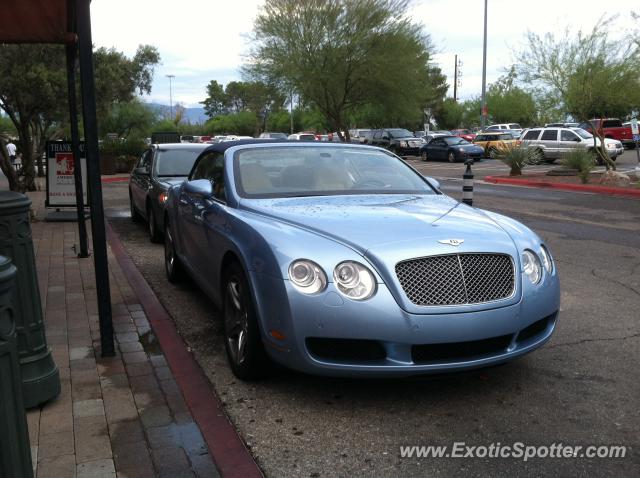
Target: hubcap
x,y
236,321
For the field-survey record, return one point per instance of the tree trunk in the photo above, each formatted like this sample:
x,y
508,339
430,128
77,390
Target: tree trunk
x,y
27,158
7,168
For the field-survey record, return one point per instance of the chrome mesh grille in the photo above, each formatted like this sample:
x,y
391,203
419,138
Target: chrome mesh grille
x,y
457,279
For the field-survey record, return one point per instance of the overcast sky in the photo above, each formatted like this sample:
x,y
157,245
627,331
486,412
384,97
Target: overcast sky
x,y
203,40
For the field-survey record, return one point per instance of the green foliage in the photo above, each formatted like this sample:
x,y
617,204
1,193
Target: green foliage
x,y
133,118
588,73
342,55
127,147
450,115
280,121
216,101
581,160
517,157
508,103
7,128
242,123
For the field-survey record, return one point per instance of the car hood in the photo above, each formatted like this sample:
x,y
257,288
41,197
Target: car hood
x,y
390,227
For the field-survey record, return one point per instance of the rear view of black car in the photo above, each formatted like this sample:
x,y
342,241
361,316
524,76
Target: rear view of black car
x,y
159,168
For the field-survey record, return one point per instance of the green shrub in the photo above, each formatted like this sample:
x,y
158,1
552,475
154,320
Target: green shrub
x,y
517,157
581,160
119,147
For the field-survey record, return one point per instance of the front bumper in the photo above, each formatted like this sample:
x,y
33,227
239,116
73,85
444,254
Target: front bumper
x,y
328,334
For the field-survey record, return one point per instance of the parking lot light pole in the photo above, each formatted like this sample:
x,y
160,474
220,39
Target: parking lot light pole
x,y
483,113
171,77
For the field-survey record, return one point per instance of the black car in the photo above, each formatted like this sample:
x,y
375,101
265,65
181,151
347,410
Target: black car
x,y
159,167
398,140
450,148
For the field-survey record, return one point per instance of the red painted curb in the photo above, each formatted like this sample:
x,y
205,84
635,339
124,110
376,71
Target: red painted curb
x,y
225,445
565,187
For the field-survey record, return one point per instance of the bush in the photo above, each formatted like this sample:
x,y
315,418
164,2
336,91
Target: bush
x,y
517,157
581,160
127,147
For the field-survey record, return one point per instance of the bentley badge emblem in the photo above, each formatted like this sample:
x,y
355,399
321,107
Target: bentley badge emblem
x,y
451,242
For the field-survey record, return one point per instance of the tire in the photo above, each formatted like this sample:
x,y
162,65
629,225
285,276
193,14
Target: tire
x,y
451,157
423,156
493,153
242,342
172,265
155,235
135,215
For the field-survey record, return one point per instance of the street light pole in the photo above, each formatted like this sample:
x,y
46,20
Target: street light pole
x,y
170,94
483,113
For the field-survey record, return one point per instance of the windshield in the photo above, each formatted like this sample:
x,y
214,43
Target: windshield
x,y
514,126
582,133
400,133
279,171
175,162
456,141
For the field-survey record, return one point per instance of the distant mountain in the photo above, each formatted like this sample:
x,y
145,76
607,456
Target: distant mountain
x,y
191,115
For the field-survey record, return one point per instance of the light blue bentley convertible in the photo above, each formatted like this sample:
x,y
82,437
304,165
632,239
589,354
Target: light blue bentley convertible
x,y
341,259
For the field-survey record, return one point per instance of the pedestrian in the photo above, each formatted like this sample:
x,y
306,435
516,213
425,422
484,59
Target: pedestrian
x,y
11,149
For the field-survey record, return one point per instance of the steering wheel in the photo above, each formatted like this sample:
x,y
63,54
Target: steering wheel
x,y
368,184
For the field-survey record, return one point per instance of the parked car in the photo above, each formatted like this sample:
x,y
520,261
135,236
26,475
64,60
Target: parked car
x,y
397,140
360,135
303,137
298,245
269,135
159,167
493,142
611,128
431,136
450,148
505,126
187,138
464,133
553,143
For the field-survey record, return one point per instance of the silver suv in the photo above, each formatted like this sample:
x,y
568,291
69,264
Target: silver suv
x,y
553,143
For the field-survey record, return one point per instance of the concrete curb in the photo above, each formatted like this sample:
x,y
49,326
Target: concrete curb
x,y
225,445
586,188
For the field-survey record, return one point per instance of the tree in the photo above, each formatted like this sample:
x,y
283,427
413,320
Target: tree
x,y
33,91
344,54
133,118
589,74
508,103
450,115
216,101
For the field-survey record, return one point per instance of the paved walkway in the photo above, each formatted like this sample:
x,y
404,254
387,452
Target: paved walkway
x,y
122,416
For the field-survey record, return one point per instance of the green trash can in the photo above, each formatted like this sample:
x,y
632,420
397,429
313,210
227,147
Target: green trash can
x,y
40,376
15,452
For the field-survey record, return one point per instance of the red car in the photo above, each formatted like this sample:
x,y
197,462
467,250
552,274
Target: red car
x,y
611,128
464,133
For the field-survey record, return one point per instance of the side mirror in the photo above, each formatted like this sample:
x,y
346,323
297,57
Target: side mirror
x,y
141,171
577,140
434,182
199,187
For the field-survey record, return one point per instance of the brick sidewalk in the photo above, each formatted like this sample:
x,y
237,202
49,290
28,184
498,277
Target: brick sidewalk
x,y
123,415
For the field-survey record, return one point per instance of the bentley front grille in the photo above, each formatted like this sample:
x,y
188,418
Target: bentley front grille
x,y
457,279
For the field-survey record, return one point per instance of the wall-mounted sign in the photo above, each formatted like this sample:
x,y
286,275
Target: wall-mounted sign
x,y
61,186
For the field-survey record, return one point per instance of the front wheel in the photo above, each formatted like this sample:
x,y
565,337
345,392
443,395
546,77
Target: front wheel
x,y
135,215
493,153
242,342
451,157
172,265
154,233
423,156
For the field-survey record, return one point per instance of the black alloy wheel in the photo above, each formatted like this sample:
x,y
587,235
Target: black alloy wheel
x,y
154,233
172,265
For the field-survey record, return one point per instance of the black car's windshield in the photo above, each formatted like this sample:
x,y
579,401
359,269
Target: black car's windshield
x,y
400,133
271,172
175,162
456,141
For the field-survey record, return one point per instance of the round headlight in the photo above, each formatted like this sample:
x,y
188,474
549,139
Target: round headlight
x,y
546,259
531,266
354,280
307,276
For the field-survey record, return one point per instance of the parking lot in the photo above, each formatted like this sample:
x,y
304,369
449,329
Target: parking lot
x,y
582,388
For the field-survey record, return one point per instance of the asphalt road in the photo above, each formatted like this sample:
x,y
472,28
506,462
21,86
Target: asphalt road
x,y
582,388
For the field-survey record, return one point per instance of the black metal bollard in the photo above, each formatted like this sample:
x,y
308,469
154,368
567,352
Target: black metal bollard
x,y
15,452
40,376
467,184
